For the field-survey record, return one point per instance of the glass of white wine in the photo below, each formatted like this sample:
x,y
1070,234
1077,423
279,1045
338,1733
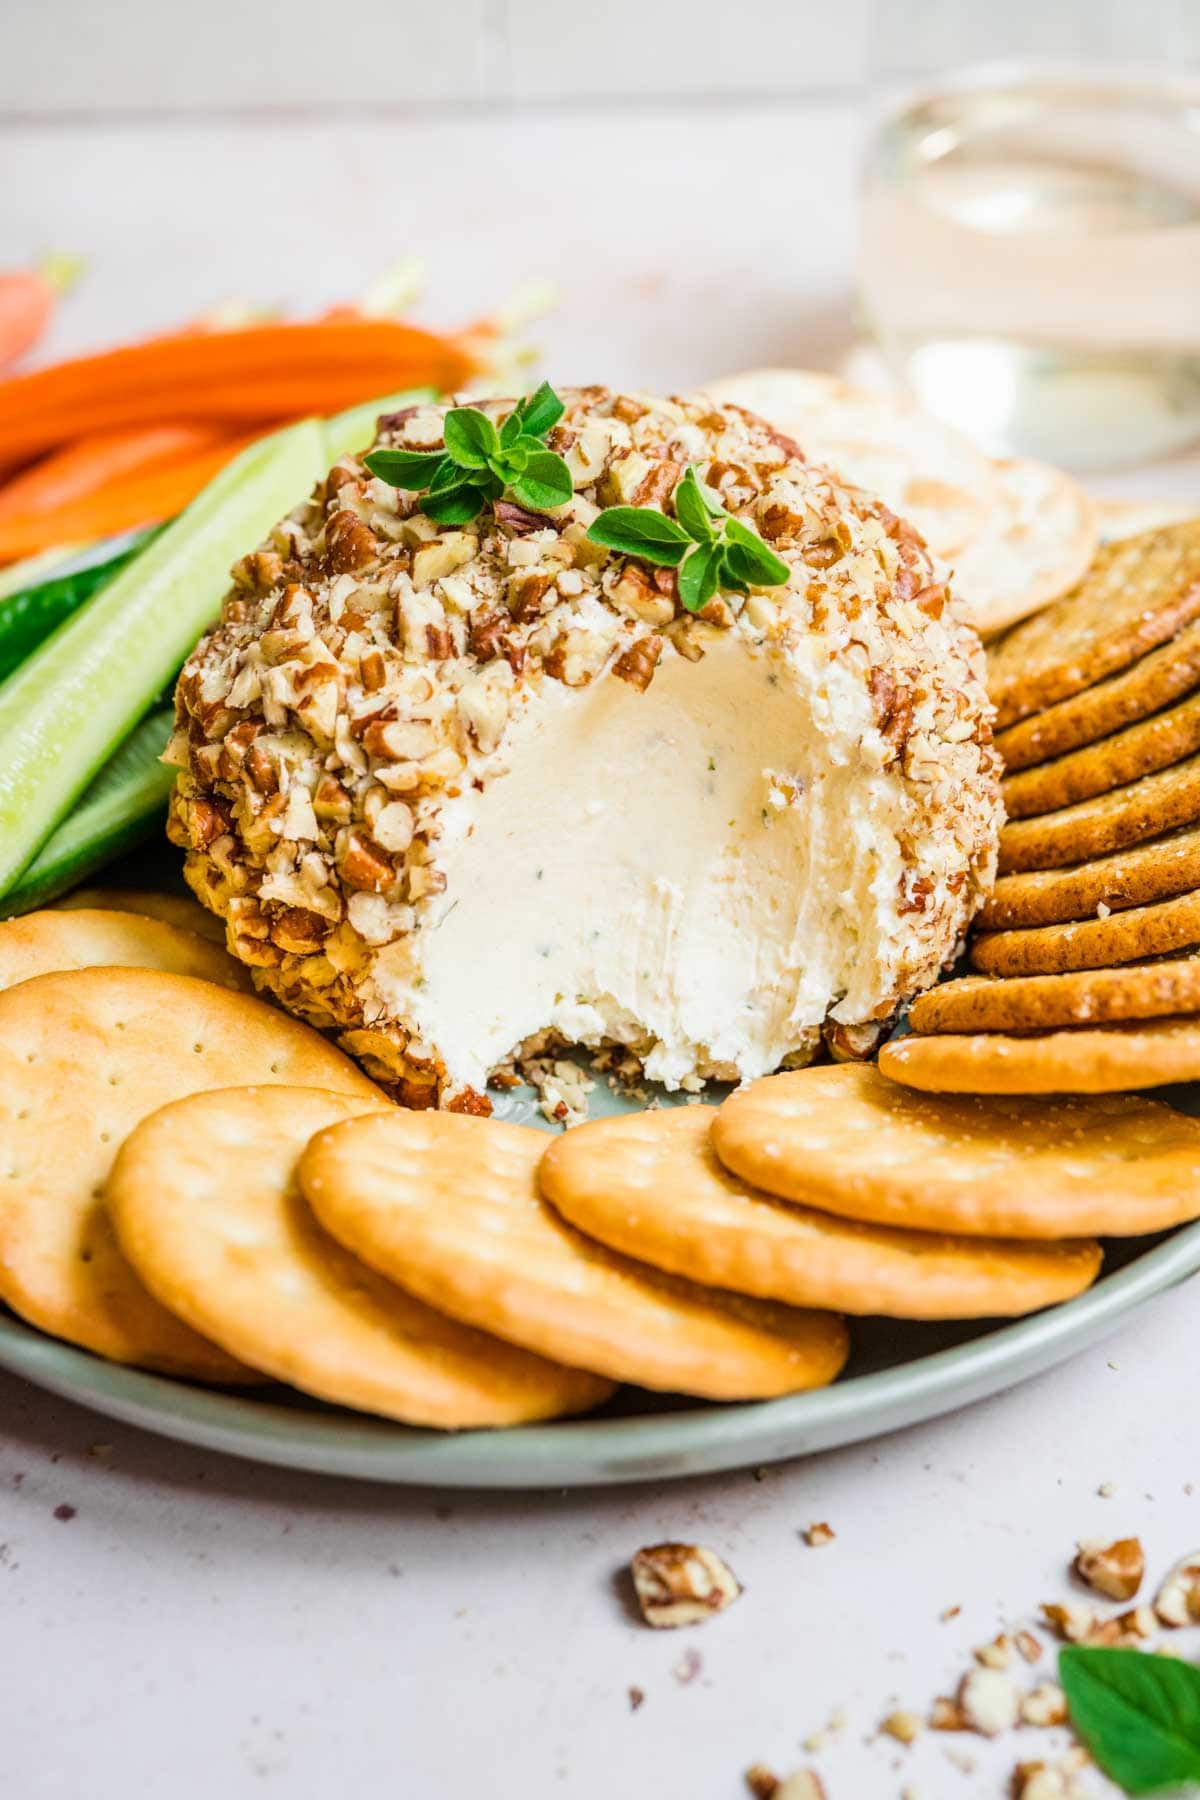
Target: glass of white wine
x,y
1030,259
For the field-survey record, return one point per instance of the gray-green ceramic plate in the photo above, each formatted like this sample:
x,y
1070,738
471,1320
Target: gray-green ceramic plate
x,y
898,1374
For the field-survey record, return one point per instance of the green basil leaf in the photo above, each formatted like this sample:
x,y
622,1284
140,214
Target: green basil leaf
x,y
408,469
692,510
699,577
1139,1715
510,431
454,506
471,438
765,569
641,531
541,412
546,482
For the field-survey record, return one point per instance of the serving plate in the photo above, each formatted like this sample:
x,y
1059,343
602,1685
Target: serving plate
x,y
899,1374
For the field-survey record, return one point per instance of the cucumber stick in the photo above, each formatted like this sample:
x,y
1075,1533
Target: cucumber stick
x,y
71,703
123,805
30,614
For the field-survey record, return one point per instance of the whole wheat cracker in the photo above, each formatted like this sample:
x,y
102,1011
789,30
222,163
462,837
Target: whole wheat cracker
x,y
1133,877
1113,762
1154,681
1136,594
1127,815
1122,937
1039,1002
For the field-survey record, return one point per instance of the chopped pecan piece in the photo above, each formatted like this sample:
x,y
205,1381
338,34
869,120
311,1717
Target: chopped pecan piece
x,y
362,866
1113,1569
349,544
637,664
681,1584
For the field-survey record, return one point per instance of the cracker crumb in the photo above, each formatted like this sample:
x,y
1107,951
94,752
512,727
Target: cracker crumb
x,y
948,1613
818,1534
1106,1490
637,1698
688,1667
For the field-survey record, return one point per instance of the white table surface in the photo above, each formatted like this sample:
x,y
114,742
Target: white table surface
x,y
200,1627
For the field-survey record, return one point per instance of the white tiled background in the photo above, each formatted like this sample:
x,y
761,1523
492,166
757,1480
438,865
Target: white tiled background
x,y
160,56
199,1628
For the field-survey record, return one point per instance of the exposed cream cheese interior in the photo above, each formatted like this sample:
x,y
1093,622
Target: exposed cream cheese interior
x,y
709,864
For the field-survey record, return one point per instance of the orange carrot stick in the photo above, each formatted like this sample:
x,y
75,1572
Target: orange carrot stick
x,y
142,498
223,374
89,463
27,302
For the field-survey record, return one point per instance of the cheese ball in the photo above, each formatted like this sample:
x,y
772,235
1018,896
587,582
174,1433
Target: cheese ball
x,y
460,792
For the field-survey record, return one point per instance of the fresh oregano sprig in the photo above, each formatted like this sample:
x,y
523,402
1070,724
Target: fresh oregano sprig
x,y
711,549
481,462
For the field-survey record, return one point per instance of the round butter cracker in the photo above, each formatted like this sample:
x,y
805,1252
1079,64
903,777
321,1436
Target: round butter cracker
x,y
39,943
1106,1060
847,1140
650,1185
448,1206
84,1057
176,909
204,1199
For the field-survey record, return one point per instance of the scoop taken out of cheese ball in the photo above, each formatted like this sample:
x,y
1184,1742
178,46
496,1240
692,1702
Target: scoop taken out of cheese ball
x,y
456,787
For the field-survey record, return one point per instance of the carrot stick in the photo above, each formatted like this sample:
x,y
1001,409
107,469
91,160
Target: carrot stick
x,y
141,498
27,301
89,463
264,371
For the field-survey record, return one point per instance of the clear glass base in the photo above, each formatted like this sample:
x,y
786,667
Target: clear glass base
x,y
1090,409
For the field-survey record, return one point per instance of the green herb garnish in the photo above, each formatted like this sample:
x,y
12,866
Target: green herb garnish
x,y
710,549
1139,1715
480,463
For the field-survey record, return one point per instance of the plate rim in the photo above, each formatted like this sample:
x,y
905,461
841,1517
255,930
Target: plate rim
x,y
600,1452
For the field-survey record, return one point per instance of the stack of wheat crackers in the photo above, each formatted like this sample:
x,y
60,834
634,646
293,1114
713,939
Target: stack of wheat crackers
x,y
1088,973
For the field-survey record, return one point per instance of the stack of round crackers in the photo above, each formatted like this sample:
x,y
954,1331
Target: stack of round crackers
x,y
195,1183
1088,978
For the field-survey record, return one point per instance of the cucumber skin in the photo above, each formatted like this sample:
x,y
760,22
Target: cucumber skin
x,y
28,617
71,702
126,809
53,870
